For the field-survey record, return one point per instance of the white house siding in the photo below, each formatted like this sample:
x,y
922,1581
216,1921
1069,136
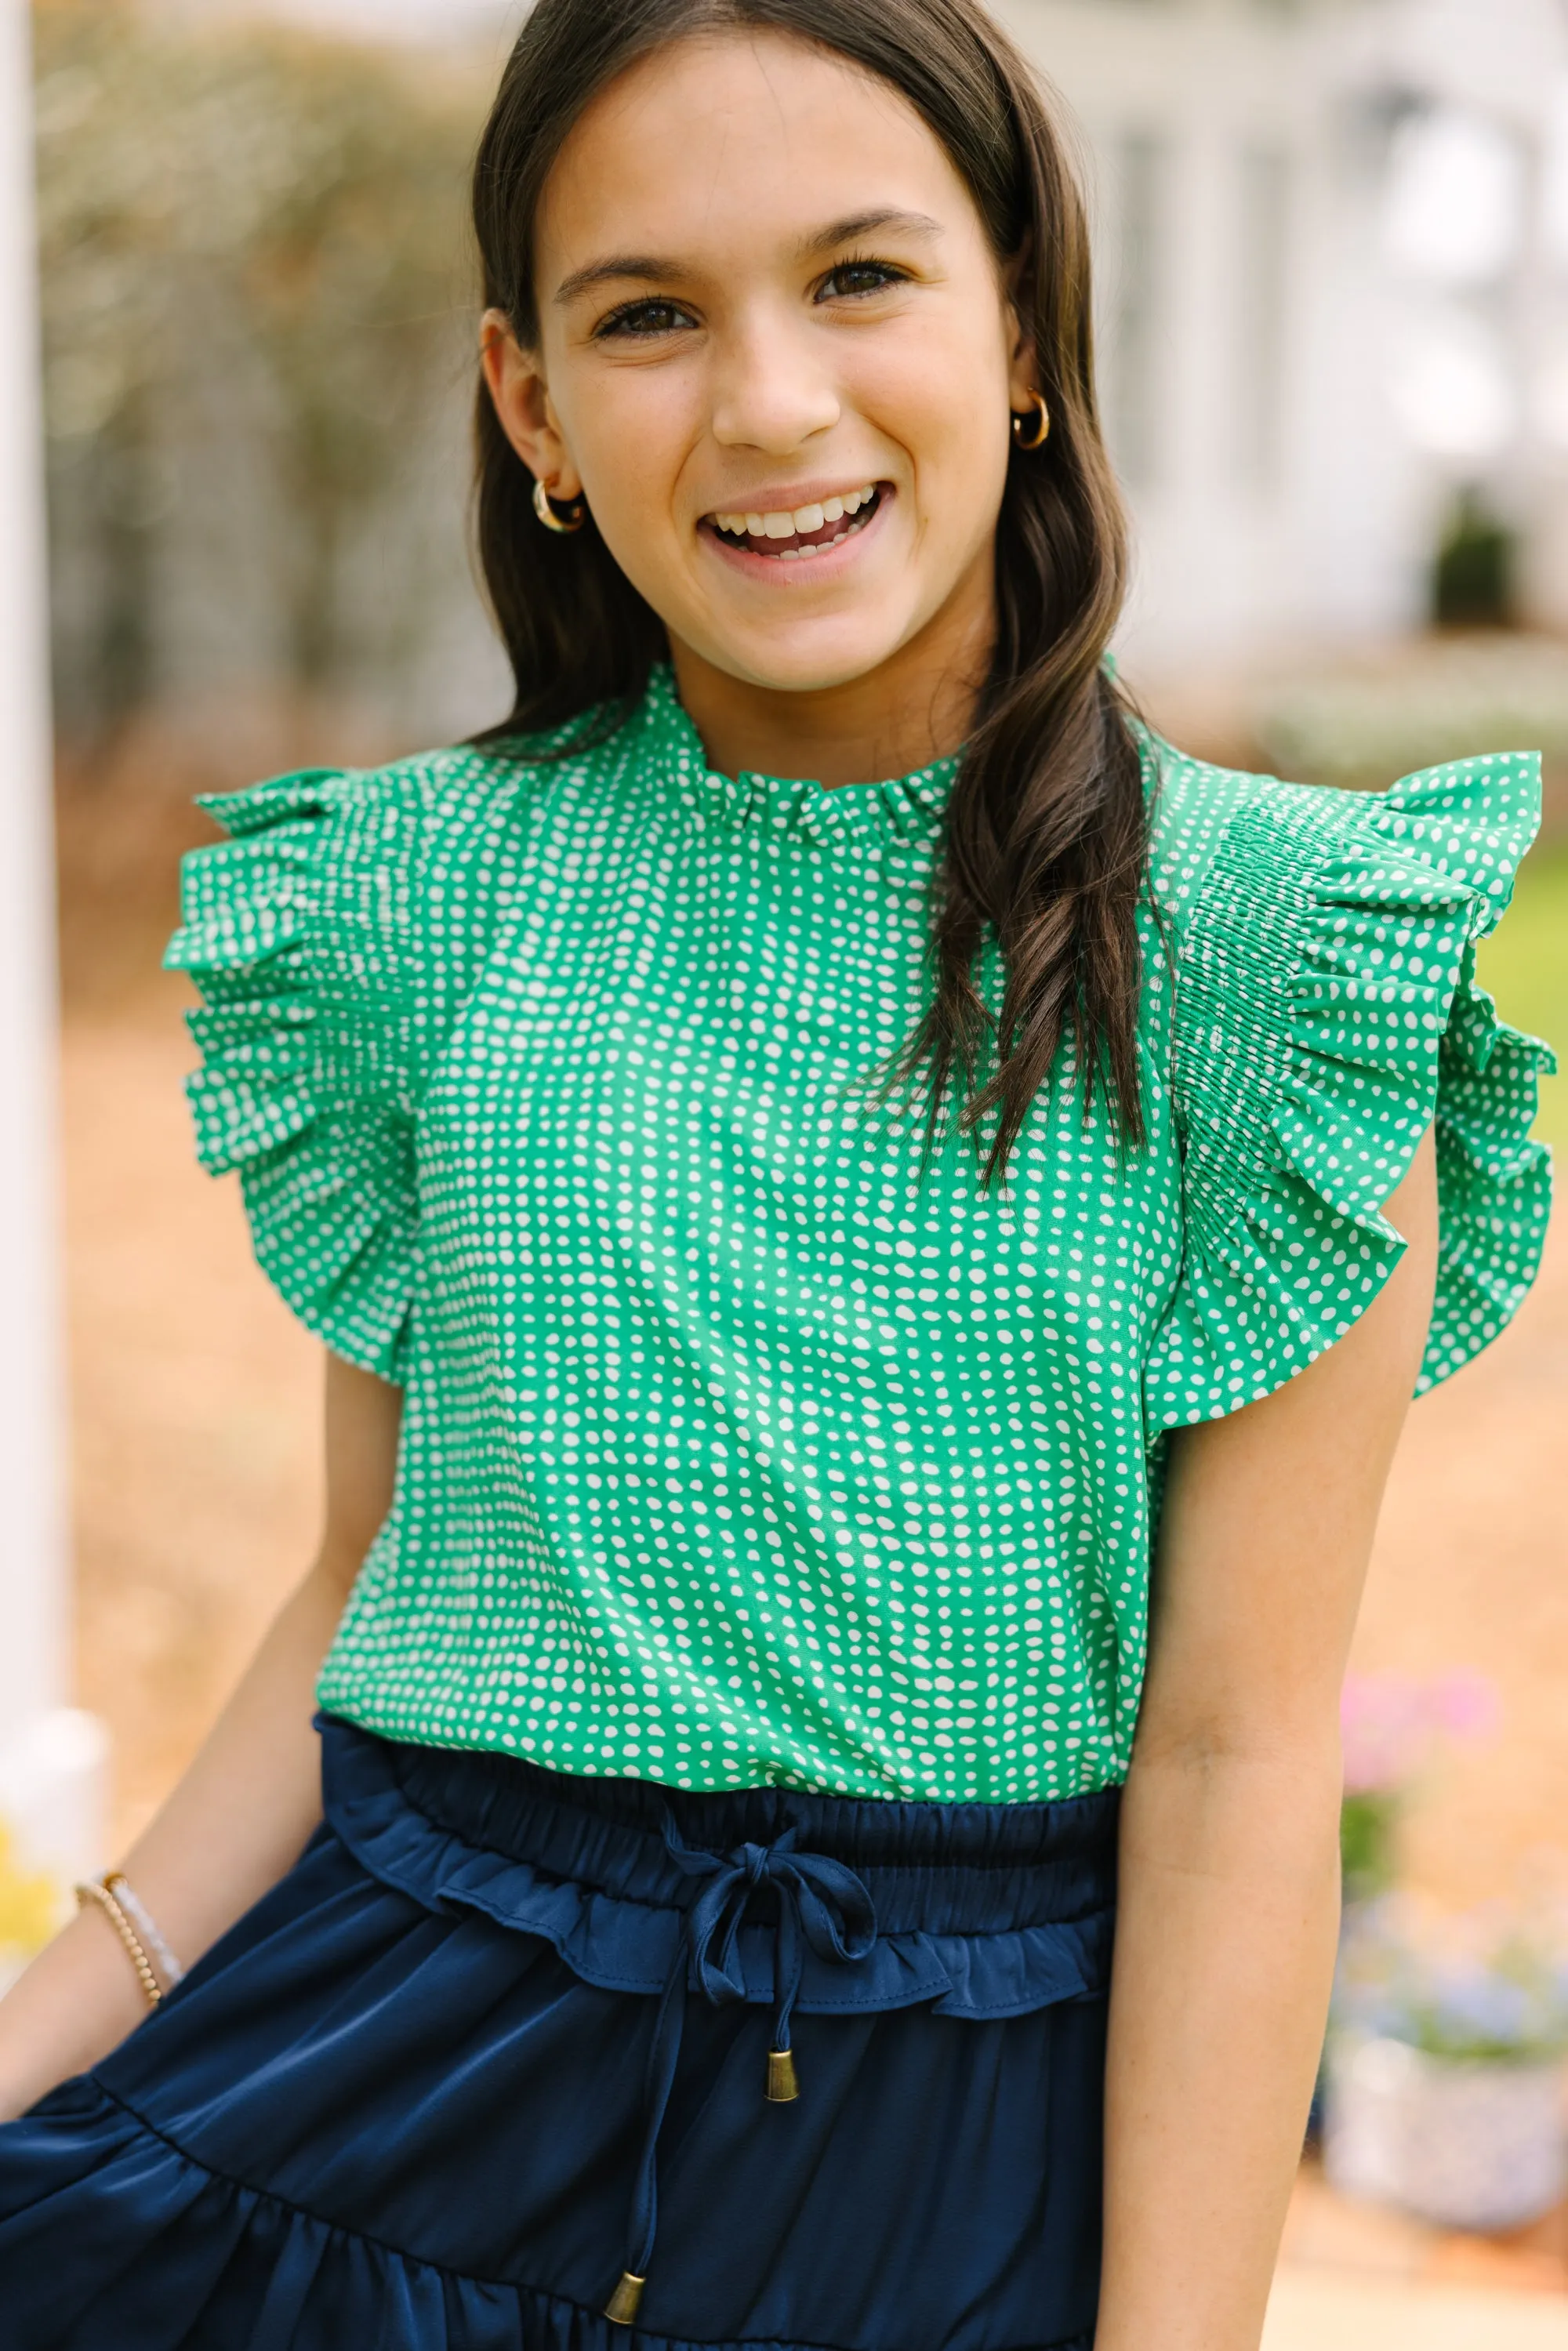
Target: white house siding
x,y
1270,497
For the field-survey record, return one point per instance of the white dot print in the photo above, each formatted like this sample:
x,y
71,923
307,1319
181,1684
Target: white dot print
x,y
733,1455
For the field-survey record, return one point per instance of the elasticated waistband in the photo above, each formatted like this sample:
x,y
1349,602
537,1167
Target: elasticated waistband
x,y
963,1869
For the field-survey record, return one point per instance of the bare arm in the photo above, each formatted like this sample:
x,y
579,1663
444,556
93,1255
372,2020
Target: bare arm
x,y
1229,1888
237,1820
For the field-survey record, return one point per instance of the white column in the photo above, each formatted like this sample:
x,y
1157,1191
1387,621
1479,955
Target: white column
x,y
51,1757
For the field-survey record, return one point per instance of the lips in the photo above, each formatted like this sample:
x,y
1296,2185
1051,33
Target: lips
x,y
792,536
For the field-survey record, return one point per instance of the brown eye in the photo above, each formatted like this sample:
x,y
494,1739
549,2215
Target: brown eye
x,y
651,318
859,277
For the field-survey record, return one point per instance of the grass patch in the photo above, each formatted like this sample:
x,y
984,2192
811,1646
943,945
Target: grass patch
x,y
1525,967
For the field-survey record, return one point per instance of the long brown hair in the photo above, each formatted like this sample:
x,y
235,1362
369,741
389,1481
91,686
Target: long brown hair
x,y
1046,831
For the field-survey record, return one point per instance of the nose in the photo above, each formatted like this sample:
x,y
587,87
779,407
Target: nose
x,y
772,390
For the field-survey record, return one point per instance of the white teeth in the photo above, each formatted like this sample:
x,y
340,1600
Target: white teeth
x,y
803,519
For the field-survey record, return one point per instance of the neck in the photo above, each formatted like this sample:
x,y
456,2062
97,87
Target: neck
x,y
917,707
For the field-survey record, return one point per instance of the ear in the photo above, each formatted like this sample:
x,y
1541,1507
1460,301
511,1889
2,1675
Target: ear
x,y
1017,301
522,402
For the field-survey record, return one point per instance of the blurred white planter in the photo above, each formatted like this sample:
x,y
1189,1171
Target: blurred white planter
x,y
1469,2143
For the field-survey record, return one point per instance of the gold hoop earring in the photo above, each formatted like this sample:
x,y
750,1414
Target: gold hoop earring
x,y
544,507
1042,424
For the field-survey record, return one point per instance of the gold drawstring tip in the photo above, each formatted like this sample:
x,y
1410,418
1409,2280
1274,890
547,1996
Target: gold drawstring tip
x,y
621,2306
782,2082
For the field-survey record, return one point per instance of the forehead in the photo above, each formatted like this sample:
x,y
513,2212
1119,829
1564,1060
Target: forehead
x,y
718,141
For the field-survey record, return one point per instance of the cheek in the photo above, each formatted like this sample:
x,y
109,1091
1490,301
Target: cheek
x,y
630,433
944,399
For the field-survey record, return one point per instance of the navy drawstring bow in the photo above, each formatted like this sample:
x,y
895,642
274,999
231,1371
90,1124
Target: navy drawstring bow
x,y
819,1902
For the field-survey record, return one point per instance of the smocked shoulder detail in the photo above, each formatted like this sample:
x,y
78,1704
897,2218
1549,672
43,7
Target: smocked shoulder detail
x,y
1327,1012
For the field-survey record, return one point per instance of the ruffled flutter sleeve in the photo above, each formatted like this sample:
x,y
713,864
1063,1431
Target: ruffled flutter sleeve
x,y
1327,1011
301,936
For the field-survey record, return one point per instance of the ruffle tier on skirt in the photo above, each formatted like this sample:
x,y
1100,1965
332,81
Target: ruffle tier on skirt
x,y
501,2033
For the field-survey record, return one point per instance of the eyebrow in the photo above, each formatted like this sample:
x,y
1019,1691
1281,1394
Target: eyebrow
x,y
649,269
844,231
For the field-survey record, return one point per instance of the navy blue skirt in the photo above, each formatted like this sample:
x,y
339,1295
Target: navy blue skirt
x,y
512,2061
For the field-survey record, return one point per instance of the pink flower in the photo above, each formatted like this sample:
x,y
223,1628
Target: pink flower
x,y
1391,1721
1466,1705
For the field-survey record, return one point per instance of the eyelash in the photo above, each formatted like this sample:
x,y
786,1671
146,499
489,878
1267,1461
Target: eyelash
x,y
887,272
621,322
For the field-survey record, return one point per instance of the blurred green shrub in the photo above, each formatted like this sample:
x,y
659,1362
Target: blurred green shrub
x,y
255,279
1474,577
1448,699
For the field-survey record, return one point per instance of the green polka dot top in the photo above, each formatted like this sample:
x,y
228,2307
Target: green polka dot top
x,y
731,1453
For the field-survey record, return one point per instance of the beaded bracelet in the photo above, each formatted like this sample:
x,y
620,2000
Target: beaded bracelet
x,y
113,1896
119,1884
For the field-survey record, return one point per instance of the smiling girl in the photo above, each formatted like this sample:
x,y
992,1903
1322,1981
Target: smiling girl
x,y
875,1227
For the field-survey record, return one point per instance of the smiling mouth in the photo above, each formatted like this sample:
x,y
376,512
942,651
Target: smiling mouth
x,y
789,538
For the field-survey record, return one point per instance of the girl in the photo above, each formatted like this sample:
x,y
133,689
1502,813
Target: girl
x,y
818,1150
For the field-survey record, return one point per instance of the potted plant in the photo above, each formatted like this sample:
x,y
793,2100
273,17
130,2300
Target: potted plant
x,y
1444,2090
1391,1727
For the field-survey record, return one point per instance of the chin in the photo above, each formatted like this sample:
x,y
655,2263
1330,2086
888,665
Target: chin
x,y
827,657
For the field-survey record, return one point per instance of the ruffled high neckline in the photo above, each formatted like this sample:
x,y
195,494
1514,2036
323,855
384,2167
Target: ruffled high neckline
x,y
905,808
